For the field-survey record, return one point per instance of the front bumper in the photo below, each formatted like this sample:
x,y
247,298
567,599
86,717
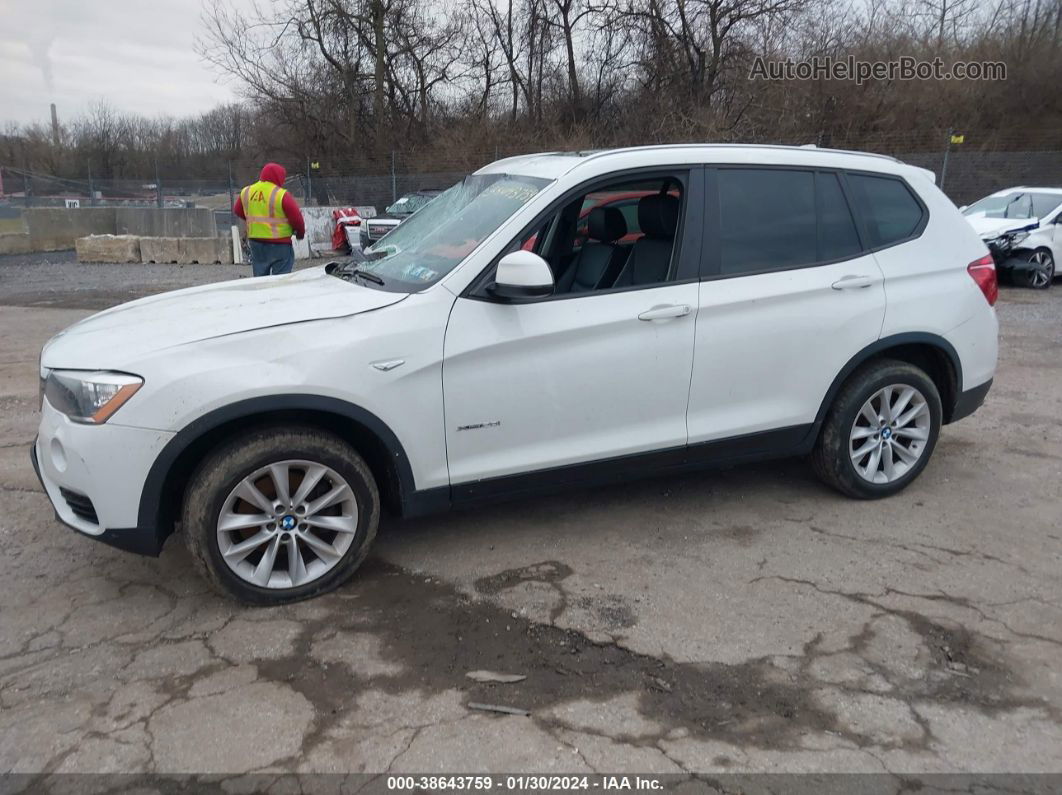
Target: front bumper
x,y
94,477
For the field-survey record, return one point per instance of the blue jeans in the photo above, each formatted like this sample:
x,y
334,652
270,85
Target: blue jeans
x,y
270,259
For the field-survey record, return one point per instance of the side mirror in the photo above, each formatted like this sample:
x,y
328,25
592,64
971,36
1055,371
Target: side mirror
x,y
522,275
961,209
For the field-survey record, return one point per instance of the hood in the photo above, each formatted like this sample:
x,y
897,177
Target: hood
x,y
989,228
273,172
130,331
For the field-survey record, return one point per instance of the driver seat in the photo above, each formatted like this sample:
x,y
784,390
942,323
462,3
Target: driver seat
x,y
597,263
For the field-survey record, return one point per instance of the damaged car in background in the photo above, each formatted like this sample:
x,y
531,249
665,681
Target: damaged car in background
x,y
395,214
1022,227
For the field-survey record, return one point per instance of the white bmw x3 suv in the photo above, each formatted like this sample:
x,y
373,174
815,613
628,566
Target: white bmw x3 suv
x,y
716,304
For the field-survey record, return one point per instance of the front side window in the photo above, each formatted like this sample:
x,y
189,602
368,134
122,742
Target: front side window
x,y
618,236
435,240
624,201
891,213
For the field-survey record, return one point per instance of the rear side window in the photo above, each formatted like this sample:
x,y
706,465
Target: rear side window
x,y
838,238
766,219
777,219
891,212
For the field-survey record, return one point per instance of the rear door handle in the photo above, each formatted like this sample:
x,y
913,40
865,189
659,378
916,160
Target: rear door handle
x,y
852,282
664,311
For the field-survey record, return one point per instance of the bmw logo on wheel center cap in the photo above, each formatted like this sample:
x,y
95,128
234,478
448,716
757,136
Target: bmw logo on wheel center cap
x,y
287,522
886,433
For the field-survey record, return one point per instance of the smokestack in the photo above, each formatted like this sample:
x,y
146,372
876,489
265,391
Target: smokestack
x,y
55,126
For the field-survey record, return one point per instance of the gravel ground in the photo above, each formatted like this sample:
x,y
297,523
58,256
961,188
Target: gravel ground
x,y
58,280
740,621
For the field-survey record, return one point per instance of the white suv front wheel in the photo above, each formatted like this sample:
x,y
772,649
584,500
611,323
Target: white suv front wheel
x,y
281,514
880,431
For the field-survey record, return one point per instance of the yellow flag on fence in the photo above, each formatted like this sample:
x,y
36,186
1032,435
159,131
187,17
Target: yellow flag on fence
x,y
958,139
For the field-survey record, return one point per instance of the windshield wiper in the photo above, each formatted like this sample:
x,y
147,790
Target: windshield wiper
x,y
366,275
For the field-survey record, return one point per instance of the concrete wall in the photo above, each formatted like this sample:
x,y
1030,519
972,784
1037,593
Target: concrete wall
x,y
56,228
14,239
165,222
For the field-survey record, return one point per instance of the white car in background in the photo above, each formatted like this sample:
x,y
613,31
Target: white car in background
x,y
1022,227
759,302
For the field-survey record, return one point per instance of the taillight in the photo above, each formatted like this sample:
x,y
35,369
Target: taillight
x,y
983,271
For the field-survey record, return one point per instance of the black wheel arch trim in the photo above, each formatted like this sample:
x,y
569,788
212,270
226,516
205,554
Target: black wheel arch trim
x,y
151,513
884,344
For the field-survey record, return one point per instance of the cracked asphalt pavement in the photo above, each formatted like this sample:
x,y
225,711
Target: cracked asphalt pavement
x,y
744,620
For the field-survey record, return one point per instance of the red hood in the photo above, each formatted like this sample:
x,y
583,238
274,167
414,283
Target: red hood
x,y
273,172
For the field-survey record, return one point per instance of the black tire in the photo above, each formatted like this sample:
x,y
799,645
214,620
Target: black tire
x,y
1036,278
223,469
832,460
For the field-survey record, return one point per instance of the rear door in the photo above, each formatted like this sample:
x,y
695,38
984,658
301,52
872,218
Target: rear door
x,y
787,297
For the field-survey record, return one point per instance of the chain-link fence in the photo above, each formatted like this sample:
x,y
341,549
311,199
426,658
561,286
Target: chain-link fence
x,y
968,166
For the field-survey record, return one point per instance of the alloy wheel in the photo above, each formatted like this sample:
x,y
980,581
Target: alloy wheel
x,y
1044,272
890,433
287,524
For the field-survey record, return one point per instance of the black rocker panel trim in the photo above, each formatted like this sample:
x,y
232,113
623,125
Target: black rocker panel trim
x,y
751,447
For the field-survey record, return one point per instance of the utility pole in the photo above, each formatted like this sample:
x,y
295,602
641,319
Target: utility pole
x,y
944,166
232,199
158,185
55,126
954,138
92,190
394,180
306,199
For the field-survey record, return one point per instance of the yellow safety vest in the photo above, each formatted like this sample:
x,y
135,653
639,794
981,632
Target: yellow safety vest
x,y
263,204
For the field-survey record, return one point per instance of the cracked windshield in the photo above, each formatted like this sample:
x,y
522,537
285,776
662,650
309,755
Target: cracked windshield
x,y
431,243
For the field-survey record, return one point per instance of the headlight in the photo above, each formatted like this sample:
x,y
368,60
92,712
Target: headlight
x,y
89,397
1006,241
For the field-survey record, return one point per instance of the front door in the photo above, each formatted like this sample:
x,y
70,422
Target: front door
x,y
589,373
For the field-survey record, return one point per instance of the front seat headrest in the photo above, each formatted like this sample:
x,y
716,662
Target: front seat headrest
x,y
658,215
606,224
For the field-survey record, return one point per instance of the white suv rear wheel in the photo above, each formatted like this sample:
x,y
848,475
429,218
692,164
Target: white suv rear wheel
x,y
880,431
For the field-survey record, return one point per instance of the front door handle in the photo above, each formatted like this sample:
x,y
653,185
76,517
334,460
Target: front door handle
x,y
852,282
664,311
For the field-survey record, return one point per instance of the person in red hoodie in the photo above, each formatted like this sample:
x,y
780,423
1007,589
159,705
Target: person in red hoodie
x,y
272,217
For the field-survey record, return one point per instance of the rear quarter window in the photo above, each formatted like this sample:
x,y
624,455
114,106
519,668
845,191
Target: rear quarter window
x,y
890,210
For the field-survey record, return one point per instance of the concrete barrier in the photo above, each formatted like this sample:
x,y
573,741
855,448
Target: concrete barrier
x,y
205,250
108,248
163,250
186,250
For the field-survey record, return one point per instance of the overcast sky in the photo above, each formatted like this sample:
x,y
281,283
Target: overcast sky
x,y
136,54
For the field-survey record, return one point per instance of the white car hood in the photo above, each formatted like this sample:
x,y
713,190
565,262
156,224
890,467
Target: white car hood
x,y
129,331
989,228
